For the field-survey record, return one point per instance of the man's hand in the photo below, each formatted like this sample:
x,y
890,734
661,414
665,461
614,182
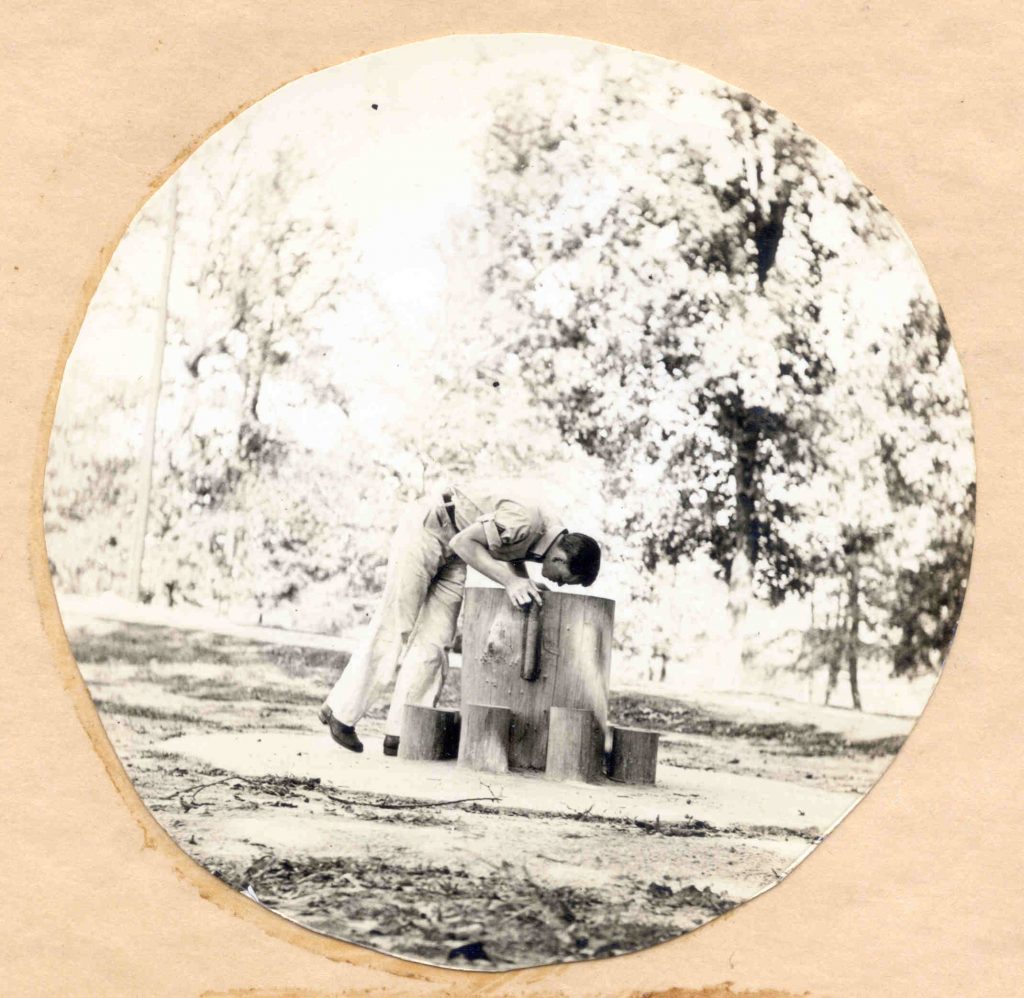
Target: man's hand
x,y
471,546
522,591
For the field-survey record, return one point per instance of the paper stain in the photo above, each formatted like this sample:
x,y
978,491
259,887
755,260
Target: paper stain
x,y
724,990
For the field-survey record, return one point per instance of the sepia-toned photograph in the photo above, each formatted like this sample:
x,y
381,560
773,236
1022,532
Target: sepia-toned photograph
x,y
509,499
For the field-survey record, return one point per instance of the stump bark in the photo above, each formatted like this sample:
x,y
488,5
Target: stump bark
x,y
428,733
634,757
575,745
573,662
484,741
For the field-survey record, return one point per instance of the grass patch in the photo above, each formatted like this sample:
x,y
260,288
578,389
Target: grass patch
x,y
143,644
662,713
113,707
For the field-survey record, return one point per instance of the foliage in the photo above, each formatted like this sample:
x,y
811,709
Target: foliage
x,y
673,295
697,312
90,493
666,299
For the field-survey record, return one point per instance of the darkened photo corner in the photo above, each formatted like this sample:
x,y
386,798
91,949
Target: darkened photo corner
x,y
509,499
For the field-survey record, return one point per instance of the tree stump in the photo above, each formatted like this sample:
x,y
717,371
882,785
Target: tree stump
x,y
428,733
484,740
575,745
573,663
634,757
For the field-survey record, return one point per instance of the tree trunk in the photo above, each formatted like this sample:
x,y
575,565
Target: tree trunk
x,y
736,654
142,501
484,742
634,755
574,662
853,632
575,745
255,367
835,649
428,733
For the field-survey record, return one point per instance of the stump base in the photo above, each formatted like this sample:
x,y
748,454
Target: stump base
x,y
429,733
634,756
484,741
575,745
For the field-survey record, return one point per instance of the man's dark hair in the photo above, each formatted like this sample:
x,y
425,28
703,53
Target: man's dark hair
x,y
584,554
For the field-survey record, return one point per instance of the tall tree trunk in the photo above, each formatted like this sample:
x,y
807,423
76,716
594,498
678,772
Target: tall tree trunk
x,y
738,653
834,663
853,622
836,647
256,360
142,502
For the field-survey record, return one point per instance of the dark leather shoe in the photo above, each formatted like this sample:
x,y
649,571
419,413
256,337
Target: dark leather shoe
x,y
391,744
344,735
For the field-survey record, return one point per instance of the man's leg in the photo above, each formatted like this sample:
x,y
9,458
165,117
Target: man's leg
x,y
414,558
425,664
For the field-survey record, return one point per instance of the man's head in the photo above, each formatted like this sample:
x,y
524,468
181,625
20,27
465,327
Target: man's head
x,y
573,560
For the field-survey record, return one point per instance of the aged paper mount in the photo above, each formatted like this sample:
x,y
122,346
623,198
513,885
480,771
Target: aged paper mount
x,y
916,893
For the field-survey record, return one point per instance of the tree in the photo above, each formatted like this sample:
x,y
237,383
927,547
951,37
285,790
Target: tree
x,y
673,294
929,470
91,483
90,490
261,270
894,503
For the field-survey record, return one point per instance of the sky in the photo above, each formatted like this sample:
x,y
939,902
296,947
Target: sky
x,y
399,173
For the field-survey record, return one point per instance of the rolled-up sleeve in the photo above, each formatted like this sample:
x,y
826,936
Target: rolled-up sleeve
x,y
509,529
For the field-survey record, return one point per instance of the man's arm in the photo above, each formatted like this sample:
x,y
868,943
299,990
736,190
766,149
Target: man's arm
x,y
519,567
471,546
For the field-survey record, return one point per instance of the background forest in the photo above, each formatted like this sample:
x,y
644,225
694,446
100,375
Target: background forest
x,y
611,274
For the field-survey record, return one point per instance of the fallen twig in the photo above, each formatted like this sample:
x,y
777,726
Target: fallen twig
x,y
196,790
582,814
403,807
268,786
197,787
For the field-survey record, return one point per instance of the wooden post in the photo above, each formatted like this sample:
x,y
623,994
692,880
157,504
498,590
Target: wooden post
x,y
531,653
428,733
485,737
575,745
573,663
634,755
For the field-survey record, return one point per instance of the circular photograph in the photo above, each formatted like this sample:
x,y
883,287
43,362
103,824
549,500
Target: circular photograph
x,y
509,499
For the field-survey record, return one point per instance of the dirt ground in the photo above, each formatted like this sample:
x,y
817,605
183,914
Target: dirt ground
x,y
220,737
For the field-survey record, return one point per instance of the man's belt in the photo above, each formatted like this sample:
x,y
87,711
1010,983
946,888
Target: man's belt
x,y
449,508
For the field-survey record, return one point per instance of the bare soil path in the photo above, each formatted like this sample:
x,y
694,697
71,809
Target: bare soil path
x,y
220,736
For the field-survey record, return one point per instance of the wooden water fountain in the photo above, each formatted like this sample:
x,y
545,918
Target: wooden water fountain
x,y
534,694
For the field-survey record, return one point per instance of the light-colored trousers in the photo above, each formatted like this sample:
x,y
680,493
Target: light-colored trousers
x,y
418,611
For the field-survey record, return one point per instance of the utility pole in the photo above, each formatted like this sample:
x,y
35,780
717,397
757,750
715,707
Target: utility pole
x,y
142,501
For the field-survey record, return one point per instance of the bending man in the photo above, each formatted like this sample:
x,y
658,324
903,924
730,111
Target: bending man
x,y
497,533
